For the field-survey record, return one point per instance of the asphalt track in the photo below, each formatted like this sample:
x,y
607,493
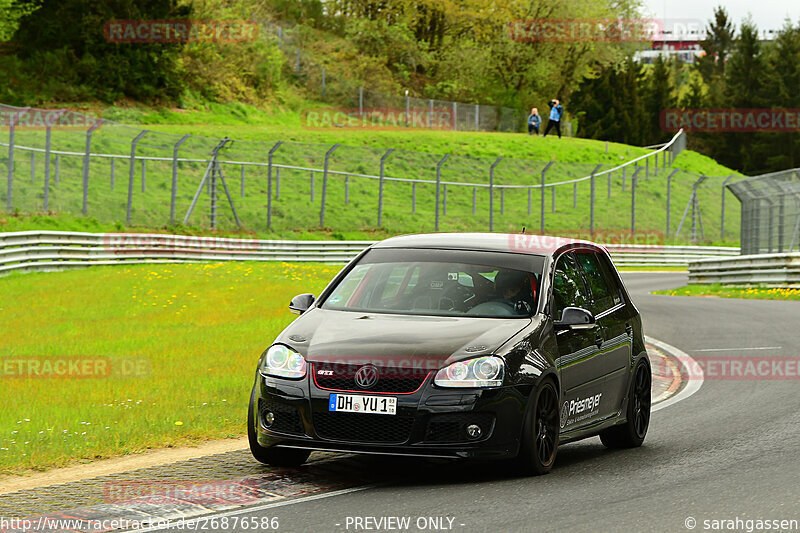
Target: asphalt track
x,y
731,451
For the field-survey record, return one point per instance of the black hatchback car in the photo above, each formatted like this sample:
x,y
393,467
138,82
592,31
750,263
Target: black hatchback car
x,y
458,346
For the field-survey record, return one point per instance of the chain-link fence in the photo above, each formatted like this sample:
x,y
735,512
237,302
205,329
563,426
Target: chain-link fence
x,y
770,212
70,163
325,86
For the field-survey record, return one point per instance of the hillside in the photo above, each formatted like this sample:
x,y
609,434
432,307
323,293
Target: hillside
x,y
295,215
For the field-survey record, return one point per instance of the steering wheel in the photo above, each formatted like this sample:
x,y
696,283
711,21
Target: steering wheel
x,y
494,308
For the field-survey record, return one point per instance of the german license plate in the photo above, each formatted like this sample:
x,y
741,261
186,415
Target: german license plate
x,y
351,403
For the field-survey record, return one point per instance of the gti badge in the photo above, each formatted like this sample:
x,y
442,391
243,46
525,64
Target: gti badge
x,y
367,376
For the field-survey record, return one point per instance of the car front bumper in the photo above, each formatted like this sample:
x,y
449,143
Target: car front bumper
x,y
431,422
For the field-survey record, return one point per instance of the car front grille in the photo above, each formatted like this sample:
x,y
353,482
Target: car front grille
x,y
453,427
358,427
287,418
390,380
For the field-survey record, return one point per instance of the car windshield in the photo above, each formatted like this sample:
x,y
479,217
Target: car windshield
x,y
440,283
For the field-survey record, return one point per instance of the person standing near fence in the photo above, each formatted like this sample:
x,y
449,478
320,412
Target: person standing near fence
x,y
534,121
556,112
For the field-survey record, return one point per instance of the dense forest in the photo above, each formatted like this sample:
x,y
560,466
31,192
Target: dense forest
x,y
56,51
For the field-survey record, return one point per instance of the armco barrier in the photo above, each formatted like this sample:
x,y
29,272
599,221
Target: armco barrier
x,y
54,250
775,270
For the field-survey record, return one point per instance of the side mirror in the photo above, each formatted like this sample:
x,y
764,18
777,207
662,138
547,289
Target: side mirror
x,y
575,318
301,303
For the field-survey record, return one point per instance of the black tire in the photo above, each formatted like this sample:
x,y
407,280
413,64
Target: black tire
x,y
271,456
631,434
540,432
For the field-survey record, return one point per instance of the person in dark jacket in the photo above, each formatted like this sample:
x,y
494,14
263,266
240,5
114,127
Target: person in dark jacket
x,y
556,112
534,121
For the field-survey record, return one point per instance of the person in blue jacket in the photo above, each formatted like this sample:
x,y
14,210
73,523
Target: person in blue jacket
x,y
534,121
556,112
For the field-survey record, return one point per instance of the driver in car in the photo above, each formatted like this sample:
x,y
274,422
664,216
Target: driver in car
x,y
514,288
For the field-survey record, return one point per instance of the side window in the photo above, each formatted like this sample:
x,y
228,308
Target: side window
x,y
602,295
568,287
610,275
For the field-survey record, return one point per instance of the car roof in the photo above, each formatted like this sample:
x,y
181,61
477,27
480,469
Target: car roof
x,y
546,245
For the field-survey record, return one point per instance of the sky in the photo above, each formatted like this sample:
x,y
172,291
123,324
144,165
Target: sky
x,y
767,14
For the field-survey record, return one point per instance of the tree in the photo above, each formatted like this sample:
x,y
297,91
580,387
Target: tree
x,y
11,11
659,95
717,46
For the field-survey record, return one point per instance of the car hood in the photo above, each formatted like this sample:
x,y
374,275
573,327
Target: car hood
x,y
396,340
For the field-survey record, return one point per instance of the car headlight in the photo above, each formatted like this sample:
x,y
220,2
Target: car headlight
x,y
282,361
479,372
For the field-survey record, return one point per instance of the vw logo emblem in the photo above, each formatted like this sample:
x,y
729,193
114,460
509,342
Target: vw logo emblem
x,y
366,376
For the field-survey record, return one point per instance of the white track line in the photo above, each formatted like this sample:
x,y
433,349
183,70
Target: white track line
x,y
693,371
737,349
178,523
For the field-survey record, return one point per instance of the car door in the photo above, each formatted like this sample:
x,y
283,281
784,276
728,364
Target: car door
x,y
608,308
579,369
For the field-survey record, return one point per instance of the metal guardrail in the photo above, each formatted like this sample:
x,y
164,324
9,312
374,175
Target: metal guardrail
x,y
775,270
55,250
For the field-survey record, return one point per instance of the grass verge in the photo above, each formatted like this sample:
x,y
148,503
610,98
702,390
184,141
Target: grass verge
x,y
723,291
181,343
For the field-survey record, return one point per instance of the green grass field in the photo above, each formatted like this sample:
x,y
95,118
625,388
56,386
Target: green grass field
x,y
197,331
722,291
296,215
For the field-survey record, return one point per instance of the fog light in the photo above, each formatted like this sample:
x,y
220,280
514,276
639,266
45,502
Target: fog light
x,y
473,431
269,418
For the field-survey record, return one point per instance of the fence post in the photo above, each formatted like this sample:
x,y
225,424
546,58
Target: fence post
x,y
669,199
86,158
477,117
325,184
174,192
646,167
624,169
269,182
591,200
408,110
655,164
722,216
541,218
58,169
575,195
438,182
455,116
311,185
529,200
360,101
47,135
634,179
431,118
132,174
380,185
491,192
10,189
